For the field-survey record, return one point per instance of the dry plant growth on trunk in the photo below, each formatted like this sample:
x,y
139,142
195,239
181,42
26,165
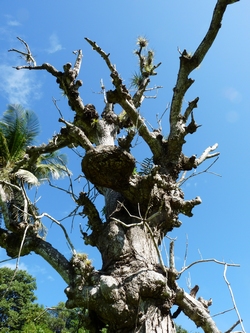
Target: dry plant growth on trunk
x,y
134,291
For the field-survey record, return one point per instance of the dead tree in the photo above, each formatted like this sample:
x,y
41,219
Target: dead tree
x,y
134,291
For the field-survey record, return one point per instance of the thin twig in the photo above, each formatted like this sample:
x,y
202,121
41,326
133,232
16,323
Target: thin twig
x,y
27,55
18,259
232,296
58,109
220,313
127,225
63,228
194,174
9,259
21,246
186,252
206,260
232,327
156,246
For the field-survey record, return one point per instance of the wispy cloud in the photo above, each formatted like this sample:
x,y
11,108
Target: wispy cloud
x,y
18,86
36,269
235,97
40,271
21,266
232,94
54,44
50,278
13,23
232,116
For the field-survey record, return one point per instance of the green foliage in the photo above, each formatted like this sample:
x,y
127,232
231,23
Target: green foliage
x,y
136,80
50,166
179,329
64,320
146,166
31,327
19,127
146,63
19,313
16,299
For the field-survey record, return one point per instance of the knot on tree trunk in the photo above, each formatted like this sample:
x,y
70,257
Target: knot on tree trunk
x,y
128,302
108,166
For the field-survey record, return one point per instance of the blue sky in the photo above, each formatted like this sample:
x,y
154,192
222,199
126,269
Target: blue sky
x,y
220,226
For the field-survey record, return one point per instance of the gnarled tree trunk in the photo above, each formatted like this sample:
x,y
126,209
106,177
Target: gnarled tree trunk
x,y
134,291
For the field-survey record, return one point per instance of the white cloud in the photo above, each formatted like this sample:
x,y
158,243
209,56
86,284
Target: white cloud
x,y
54,44
13,23
36,269
50,278
18,86
232,116
21,266
232,95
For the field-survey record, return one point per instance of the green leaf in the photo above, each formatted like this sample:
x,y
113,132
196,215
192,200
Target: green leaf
x,y
27,177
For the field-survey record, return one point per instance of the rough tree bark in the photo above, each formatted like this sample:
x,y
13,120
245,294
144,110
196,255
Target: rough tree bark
x,y
134,291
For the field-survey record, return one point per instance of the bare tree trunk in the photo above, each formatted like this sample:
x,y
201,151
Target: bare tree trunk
x,y
130,293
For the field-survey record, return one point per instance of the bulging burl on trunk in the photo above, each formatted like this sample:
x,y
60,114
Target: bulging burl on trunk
x,y
108,166
126,302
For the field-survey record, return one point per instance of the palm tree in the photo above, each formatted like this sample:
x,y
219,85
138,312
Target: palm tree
x,y
19,129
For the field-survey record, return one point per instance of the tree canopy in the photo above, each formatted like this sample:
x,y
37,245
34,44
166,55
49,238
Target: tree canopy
x,y
16,299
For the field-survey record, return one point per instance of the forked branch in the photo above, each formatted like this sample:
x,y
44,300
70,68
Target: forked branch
x,y
26,55
122,96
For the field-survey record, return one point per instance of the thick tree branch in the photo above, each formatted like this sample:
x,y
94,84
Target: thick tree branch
x,y
149,137
191,105
185,206
189,163
78,135
11,243
206,154
78,62
213,30
195,311
187,64
49,68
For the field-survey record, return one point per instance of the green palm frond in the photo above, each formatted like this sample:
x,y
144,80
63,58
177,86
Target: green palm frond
x,y
146,166
4,151
51,166
27,177
19,127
